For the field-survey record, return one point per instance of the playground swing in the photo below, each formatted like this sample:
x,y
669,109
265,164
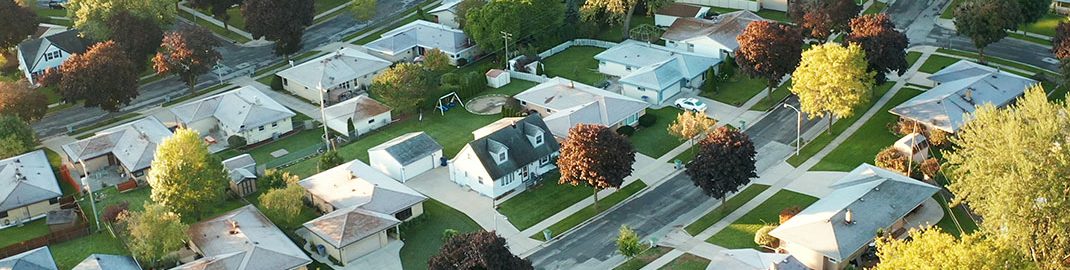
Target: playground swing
x,y
451,100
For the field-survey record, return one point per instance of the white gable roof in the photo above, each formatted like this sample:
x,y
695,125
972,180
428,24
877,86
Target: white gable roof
x,y
658,66
133,144
26,179
423,34
243,239
332,69
722,29
240,109
355,184
577,103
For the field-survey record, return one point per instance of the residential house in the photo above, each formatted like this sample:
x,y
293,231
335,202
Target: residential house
x,y
36,259
665,16
412,40
127,149
447,13
108,262
564,103
242,239
751,259
361,205
751,5
406,156
505,156
335,76
245,112
50,51
654,73
1061,6
243,173
28,188
714,36
363,113
962,87
839,227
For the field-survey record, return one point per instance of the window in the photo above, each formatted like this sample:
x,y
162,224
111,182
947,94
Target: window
x,y
632,119
548,110
628,68
538,139
286,82
404,214
501,156
53,201
275,124
508,178
261,128
371,120
544,160
3,214
480,178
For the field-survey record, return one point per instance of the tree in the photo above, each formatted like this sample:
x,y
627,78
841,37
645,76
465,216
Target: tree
x,y
763,239
91,16
329,160
16,23
154,232
16,137
986,21
281,21
138,37
617,12
884,46
102,77
477,250
690,124
275,179
628,242
934,249
526,20
596,156
217,7
1009,165
436,61
768,50
112,212
893,160
188,52
20,100
403,87
724,163
236,141
283,204
364,10
463,8
184,175
1032,10
930,167
820,18
1060,44
832,80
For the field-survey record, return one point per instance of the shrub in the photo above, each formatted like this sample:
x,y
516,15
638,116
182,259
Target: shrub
x,y
462,62
938,138
626,130
762,237
905,127
892,159
475,82
276,83
647,120
328,160
930,167
449,78
112,212
236,141
449,233
628,242
788,213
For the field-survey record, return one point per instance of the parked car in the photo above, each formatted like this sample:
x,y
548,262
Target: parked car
x,y
691,104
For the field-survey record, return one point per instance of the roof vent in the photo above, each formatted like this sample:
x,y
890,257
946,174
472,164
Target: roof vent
x,y
848,218
968,95
233,226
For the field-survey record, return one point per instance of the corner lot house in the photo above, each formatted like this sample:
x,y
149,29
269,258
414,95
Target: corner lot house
x,y
244,112
962,87
407,42
564,103
124,151
36,259
28,188
107,262
715,36
365,114
446,13
507,155
654,73
406,156
665,16
342,74
839,227
39,54
242,239
242,172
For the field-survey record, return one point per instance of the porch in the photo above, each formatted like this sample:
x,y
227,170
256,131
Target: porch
x,y
107,176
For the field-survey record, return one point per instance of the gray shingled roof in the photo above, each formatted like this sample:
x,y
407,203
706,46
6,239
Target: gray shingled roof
x,y
68,41
241,109
332,69
36,259
255,243
423,34
346,226
107,262
577,103
359,108
658,66
409,148
722,29
26,179
356,184
133,144
240,167
513,137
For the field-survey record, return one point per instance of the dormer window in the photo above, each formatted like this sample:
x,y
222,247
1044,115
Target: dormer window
x,y
501,157
498,151
538,139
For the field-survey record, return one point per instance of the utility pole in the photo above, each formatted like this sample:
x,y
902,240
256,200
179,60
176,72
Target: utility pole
x,y
323,115
92,202
506,36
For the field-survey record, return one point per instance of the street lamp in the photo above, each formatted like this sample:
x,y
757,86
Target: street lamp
x,y
798,127
92,202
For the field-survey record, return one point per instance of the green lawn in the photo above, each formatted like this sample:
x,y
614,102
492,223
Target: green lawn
x,y
740,234
774,15
576,63
423,236
729,206
514,87
936,63
814,146
912,57
1059,93
779,94
868,140
296,144
1045,26
737,90
643,259
51,94
198,94
655,141
587,213
876,7
376,35
542,201
48,12
687,261
69,254
1040,41
28,231
297,60
949,12
215,28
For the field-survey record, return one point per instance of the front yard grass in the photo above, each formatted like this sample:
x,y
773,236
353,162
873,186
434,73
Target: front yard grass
x,y
868,140
542,201
655,141
740,234
778,95
949,12
423,237
729,206
687,261
936,63
575,63
876,7
997,60
912,57
1045,26
736,91
214,28
810,149
588,212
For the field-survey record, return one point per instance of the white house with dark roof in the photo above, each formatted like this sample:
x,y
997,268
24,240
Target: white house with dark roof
x,y
131,147
242,239
244,112
243,173
406,156
564,103
447,13
507,155
365,114
409,41
28,188
654,73
40,54
665,16
714,36
342,74
36,259
962,87
107,262
838,227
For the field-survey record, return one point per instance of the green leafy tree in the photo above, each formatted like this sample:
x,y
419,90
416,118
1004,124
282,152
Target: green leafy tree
x,y
188,52
404,87
885,47
281,21
724,163
16,137
1033,10
477,250
283,205
595,156
934,249
275,179
91,16
689,125
768,50
185,176
153,232
138,37
436,61
986,21
628,242
464,7
102,77
832,80
617,12
19,99
526,20
16,23
329,160
217,7
236,141
363,10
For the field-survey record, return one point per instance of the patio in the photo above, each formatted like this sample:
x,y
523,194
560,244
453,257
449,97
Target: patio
x,y
216,141
105,177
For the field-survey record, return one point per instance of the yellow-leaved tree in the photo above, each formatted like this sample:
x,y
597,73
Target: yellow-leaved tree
x,y
690,124
832,80
185,176
934,249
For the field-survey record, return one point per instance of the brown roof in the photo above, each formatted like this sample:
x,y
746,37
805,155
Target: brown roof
x,y
346,226
679,10
493,73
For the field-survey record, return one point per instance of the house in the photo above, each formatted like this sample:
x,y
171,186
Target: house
x,y
107,262
28,188
497,78
242,239
245,112
715,36
564,103
751,5
361,205
407,42
962,87
406,156
751,259
665,16
242,171
505,156
128,149
447,13
40,54
36,259
1061,6
342,74
654,73
363,113
838,228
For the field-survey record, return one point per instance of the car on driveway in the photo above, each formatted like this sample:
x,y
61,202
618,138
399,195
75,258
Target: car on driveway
x,y
691,104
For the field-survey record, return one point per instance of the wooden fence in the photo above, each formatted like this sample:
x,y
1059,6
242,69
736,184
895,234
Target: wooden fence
x,y
55,237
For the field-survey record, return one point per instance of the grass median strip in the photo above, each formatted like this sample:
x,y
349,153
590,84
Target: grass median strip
x,y
810,149
643,259
868,140
729,206
104,123
996,60
740,234
589,212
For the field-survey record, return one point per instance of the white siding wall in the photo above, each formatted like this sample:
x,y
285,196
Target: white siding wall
x,y
652,95
778,5
310,93
204,125
662,20
25,213
383,162
447,18
255,135
363,125
466,170
614,69
43,64
703,46
736,4
810,258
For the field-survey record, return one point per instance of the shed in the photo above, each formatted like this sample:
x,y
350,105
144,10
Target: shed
x,y
913,144
62,219
497,78
664,17
407,156
242,172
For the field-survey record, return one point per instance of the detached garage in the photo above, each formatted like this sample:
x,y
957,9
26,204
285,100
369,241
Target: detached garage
x,y
407,156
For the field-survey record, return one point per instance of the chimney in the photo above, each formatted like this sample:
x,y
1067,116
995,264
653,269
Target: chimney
x,y
233,226
848,218
968,95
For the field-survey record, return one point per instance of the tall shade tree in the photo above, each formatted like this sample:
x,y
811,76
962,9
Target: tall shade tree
x,y
329,160
986,21
1009,166
16,24
91,16
16,137
595,156
690,124
20,100
404,87
525,20
832,80
617,12
274,178
725,162
477,250
1060,44
187,52
102,77
185,176
138,37
436,61
281,21
886,48
934,249
364,9
283,205
218,8
1033,10
820,18
153,232
463,8
768,50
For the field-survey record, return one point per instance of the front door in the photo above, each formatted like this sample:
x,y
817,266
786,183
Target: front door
x,y
527,176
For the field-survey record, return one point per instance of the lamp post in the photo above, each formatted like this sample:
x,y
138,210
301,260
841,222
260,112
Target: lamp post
x,y
798,127
92,202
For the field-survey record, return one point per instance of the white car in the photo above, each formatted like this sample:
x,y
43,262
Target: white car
x,y
691,104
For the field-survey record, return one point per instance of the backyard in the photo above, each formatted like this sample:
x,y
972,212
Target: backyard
x,y
655,141
687,261
1045,26
423,236
542,201
718,213
590,211
575,63
868,140
818,143
296,146
740,234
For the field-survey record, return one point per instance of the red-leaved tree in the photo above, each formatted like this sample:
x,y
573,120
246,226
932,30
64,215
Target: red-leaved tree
x,y
477,250
884,46
769,50
103,77
188,52
820,18
595,156
725,162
